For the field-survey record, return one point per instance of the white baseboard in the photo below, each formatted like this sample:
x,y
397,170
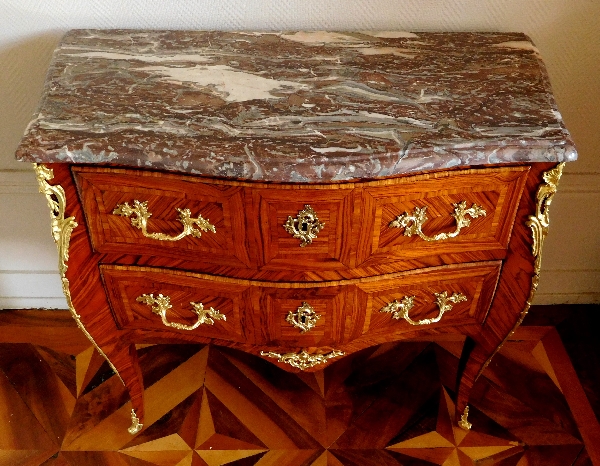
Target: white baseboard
x,y
30,290
25,284
33,303
566,298
568,287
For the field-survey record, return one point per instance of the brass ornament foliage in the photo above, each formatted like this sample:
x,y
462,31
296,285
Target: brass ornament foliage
x,y
539,224
305,318
400,309
464,422
413,223
303,360
61,233
139,215
305,226
161,304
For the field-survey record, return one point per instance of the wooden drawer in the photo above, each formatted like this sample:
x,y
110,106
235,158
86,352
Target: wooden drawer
x,y
333,209
125,286
440,297
256,223
297,315
490,198
104,190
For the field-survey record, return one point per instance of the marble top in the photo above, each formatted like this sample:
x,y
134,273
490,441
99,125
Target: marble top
x,y
296,106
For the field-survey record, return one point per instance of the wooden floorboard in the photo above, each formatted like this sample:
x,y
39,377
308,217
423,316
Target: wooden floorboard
x,y
536,404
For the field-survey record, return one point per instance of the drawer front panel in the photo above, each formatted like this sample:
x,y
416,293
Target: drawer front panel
x,y
261,231
300,315
255,312
434,298
126,286
338,318
448,214
278,219
220,240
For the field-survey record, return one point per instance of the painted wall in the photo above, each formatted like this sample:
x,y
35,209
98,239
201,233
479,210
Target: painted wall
x,y
567,34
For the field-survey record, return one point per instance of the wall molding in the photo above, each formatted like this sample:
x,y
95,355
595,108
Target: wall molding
x,y
566,298
579,183
18,182
50,304
31,290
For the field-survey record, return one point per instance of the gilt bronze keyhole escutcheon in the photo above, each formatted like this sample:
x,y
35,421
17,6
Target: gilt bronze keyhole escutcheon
x,y
305,226
305,318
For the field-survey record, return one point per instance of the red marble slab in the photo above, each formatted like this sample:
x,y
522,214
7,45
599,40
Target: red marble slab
x,y
296,106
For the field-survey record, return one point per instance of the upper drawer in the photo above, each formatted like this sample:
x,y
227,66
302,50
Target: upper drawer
x,y
303,227
450,217
117,202
303,232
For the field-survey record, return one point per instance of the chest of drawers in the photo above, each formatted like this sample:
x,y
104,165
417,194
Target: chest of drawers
x,y
299,196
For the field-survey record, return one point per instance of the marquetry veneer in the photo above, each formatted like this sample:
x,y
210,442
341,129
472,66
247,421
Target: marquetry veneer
x,y
254,272
251,241
256,310
300,195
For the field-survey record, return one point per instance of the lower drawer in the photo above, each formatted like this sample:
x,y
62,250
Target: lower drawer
x,y
298,315
151,299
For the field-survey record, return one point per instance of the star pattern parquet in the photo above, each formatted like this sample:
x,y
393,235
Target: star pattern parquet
x,y
60,405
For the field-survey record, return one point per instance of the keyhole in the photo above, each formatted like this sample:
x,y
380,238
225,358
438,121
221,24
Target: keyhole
x,y
303,319
304,226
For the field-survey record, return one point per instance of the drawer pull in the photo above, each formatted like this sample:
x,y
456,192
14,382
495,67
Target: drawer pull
x,y
308,226
400,309
161,304
139,218
413,223
303,360
304,318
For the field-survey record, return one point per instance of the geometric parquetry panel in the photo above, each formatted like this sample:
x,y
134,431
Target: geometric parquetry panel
x,y
207,406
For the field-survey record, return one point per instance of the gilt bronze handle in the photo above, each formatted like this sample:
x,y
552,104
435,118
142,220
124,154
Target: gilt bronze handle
x,y
139,216
161,304
413,223
400,309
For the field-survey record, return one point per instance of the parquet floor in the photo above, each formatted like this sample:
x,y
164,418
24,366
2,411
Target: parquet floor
x,y
389,405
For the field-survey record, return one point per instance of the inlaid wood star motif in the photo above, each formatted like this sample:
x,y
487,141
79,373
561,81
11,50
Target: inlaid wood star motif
x,y
208,406
449,445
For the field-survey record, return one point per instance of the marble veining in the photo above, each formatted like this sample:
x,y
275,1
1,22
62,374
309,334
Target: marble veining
x,y
306,106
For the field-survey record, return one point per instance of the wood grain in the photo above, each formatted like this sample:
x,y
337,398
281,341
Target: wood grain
x,y
252,243
103,190
512,292
497,191
356,249
390,404
256,311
